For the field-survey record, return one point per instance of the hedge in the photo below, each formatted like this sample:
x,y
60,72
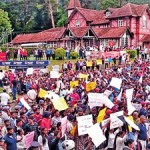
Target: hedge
x,y
133,53
60,54
74,55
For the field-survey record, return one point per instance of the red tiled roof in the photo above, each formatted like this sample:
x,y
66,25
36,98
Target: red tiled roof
x,y
79,32
109,32
73,4
23,38
44,36
128,10
146,38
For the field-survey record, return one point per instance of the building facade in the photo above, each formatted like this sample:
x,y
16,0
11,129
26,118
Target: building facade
x,y
115,27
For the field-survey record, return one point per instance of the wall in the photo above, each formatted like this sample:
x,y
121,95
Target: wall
x,y
75,17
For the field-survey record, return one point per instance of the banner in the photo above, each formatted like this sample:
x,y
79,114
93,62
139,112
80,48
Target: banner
x,y
84,123
90,86
83,76
60,104
42,93
3,56
28,139
63,125
101,115
73,84
25,104
96,134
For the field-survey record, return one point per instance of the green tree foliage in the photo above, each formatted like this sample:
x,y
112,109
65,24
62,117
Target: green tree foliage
x,y
108,3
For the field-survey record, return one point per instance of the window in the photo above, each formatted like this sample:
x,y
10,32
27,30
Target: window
x,y
120,22
124,41
107,14
77,23
144,22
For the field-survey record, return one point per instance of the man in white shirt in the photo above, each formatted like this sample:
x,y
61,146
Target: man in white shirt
x,y
1,77
4,98
31,95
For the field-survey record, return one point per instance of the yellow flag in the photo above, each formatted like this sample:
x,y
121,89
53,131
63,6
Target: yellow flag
x,y
60,104
42,93
83,76
131,118
74,84
101,115
90,86
99,62
89,63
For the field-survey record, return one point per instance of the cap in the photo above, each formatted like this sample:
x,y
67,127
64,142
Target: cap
x,y
35,144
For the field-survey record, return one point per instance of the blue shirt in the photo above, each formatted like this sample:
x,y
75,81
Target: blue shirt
x,y
11,142
143,132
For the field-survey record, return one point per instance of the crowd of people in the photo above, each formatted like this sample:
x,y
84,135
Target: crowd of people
x,y
45,120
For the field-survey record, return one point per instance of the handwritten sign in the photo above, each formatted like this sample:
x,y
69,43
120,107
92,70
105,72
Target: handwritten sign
x,y
84,123
116,82
29,139
107,92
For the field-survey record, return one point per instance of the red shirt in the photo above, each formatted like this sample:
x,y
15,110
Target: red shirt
x,y
45,123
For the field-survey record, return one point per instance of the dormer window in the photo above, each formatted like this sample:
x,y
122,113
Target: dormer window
x,y
108,14
77,23
120,22
144,22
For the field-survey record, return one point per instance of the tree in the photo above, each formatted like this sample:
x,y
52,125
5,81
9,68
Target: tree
x,y
107,3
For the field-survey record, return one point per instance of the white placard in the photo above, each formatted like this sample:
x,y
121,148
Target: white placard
x,y
107,92
96,134
141,78
55,74
130,108
25,104
44,70
120,95
30,71
132,124
137,106
55,68
105,122
115,122
60,84
116,82
117,114
129,94
94,99
84,123
107,102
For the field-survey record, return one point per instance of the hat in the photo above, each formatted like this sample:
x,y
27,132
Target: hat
x,y
68,144
35,144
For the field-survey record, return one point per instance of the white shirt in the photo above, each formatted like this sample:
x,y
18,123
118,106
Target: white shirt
x,y
31,95
45,146
4,98
1,75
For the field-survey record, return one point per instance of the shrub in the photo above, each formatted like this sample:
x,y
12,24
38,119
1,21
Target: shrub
x,y
74,55
60,53
133,53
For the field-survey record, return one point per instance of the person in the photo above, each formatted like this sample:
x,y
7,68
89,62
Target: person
x,y
43,139
1,77
21,139
56,118
119,140
7,54
4,98
48,53
31,94
14,88
36,54
4,128
40,54
2,144
34,146
130,145
10,139
13,119
142,136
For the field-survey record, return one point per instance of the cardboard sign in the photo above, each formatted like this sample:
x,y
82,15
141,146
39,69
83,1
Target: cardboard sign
x,y
99,62
60,104
129,94
130,108
116,82
115,122
25,104
63,125
90,86
55,68
30,71
96,134
42,93
28,139
74,84
55,74
84,123
94,99
106,101
107,92
105,122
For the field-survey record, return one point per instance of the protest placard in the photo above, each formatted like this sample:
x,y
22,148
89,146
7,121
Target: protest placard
x,y
105,122
60,85
90,86
94,99
120,95
55,68
137,106
74,84
117,114
42,93
55,74
96,134
101,115
131,123
63,125
83,76
60,104
51,95
99,62
115,122
28,139
107,102
24,103
130,107
107,92
141,78
29,71
89,63
44,70
129,94
116,82
84,123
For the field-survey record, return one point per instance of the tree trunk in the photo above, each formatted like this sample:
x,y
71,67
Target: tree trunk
x,y
51,14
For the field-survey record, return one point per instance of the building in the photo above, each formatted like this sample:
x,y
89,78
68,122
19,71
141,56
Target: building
x,y
118,27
